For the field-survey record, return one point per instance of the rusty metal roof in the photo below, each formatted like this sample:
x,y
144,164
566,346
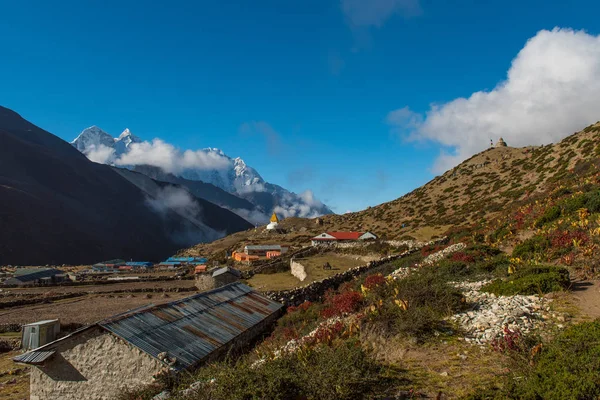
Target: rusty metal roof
x,y
192,328
34,357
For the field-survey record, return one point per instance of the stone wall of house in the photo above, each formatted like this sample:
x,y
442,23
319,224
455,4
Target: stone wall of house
x,y
204,281
92,365
298,269
224,279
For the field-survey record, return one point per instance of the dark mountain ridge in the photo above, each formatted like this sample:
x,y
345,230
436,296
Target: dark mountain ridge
x,y
58,207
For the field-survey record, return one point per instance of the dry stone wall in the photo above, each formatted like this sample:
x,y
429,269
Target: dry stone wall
x,y
316,290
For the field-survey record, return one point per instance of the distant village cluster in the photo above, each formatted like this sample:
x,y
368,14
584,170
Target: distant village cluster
x,y
144,343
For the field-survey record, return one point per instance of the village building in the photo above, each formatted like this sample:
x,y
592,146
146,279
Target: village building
x,y
261,250
37,276
341,237
225,275
135,348
273,254
274,222
244,257
112,264
215,278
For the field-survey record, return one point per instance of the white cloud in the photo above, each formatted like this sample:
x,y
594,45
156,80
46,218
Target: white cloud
x,y
100,154
552,89
365,13
170,159
305,206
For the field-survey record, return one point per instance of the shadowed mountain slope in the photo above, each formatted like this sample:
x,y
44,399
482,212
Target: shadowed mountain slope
x,y
59,207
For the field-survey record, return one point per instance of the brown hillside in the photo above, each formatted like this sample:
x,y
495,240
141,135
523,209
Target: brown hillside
x,y
483,186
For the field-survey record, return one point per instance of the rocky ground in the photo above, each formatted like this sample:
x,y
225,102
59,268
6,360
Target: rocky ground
x,y
489,314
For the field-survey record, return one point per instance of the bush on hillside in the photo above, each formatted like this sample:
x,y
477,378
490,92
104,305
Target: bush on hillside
x,y
531,280
567,368
531,247
551,214
416,305
497,265
343,371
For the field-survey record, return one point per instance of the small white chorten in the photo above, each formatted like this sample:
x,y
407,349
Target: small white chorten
x,y
274,222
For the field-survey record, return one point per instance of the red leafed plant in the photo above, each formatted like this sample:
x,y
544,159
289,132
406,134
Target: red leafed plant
x,y
565,239
568,259
462,257
427,250
302,307
326,334
511,340
343,303
289,333
373,281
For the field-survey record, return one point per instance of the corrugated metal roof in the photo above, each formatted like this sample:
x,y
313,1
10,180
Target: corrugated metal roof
x,y
264,247
192,328
33,357
34,276
225,270
44,322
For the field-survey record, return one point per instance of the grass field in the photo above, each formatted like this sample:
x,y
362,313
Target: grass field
x,y
314,270
14,378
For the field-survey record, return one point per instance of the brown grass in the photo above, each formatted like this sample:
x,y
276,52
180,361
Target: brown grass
x,y
314,270
13,391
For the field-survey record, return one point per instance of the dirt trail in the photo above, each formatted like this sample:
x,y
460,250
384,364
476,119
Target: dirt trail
x,y
586,296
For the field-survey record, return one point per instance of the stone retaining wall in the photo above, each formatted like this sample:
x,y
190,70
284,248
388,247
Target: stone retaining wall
x,y
316,290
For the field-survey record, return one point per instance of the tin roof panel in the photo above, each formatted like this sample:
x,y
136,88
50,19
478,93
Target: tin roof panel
x,y
190,329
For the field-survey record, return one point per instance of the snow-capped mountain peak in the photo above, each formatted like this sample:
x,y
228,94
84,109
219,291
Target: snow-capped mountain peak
x,y
92,138
126,138
209,165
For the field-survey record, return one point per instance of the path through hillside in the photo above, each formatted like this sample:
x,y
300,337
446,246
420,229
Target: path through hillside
x,y
586,296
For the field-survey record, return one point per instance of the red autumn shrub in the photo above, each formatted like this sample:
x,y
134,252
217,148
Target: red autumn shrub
x,y
373,281
302,307
427,250
326,334
564,239
509,341
462,257
289,333
343,303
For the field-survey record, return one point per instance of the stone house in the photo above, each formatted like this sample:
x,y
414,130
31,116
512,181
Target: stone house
x,y
225,275
133,349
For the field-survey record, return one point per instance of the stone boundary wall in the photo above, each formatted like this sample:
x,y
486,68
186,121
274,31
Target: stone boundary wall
x,y
411,244
298,270
49,299
94,282
316,290
282,263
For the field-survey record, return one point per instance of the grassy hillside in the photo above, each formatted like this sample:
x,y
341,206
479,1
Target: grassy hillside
x,y
486,186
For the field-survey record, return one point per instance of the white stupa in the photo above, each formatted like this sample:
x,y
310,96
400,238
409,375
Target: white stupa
x,y
274,222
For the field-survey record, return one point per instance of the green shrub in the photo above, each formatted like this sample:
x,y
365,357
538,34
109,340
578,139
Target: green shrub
x,y
499,233
343,371
532,246
550,215
567,368
429,300
531,280
497,265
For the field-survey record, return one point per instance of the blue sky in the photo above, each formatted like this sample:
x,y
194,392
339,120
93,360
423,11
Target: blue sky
x,y
324,77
